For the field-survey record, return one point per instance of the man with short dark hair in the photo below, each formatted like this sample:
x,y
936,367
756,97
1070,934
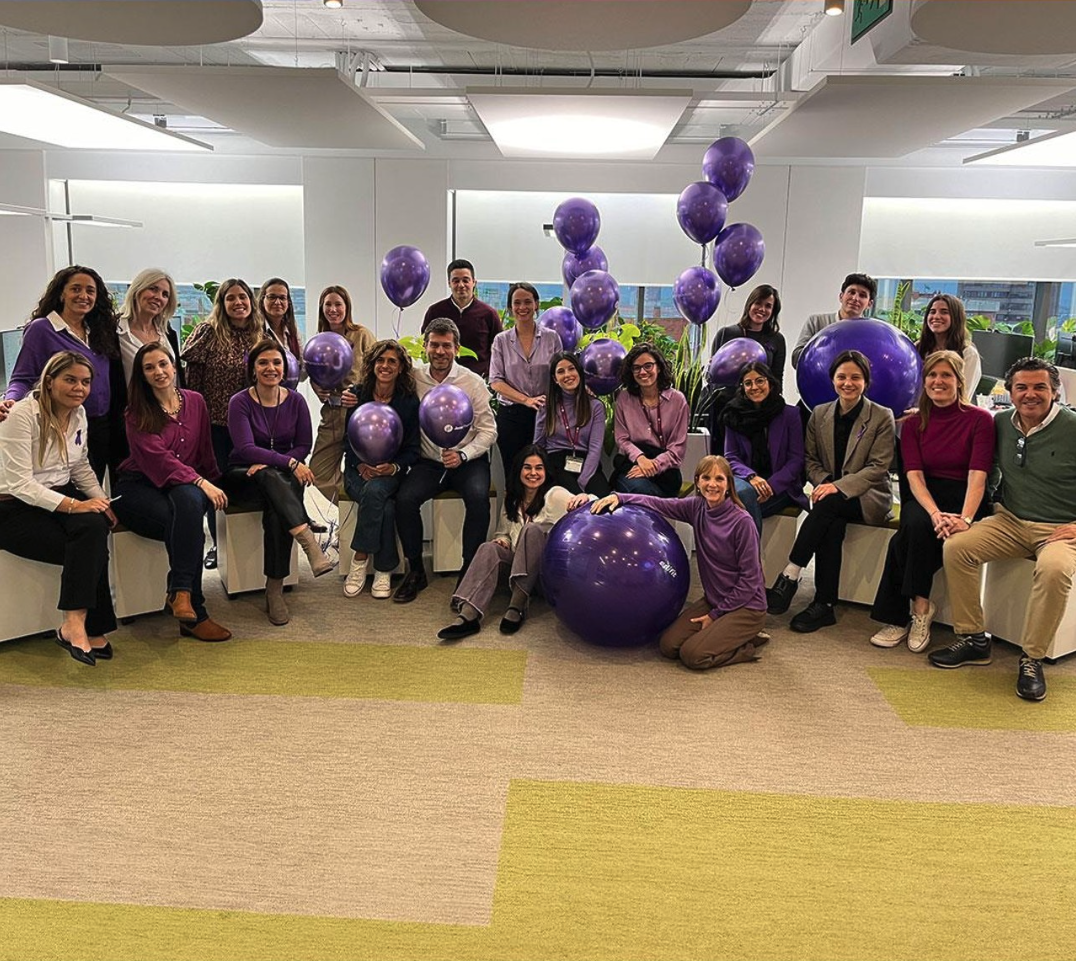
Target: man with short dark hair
x,y
464,468
1034,517
478,323
857,294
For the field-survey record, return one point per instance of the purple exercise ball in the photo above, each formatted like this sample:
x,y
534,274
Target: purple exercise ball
x,y
617,579
445,415
729,359
328,358
562,321
594,298
896,368
575,265
576,223
375,432
602,360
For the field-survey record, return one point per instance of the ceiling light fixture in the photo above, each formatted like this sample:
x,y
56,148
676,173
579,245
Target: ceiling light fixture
x,y
89,220
37,112
1069,242
834,8
58,50
333,4
1049,150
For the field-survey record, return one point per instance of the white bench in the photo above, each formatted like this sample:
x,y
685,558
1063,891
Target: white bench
x,y
448,514
30,592
240,557
1006,590
349,517
138,571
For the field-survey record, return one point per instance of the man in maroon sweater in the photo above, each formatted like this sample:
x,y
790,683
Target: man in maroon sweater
x,y
478,323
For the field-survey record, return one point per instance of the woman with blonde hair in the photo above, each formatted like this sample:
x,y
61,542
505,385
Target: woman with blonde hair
x,y
148,307
725,625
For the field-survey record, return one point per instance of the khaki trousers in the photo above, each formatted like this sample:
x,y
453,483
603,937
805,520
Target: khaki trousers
x,y
327,460
728,640
1005,535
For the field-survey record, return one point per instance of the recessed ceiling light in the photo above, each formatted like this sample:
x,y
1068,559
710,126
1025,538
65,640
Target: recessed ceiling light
x,y
333,4
834,8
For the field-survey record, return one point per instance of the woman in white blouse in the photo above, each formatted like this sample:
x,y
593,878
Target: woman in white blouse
x,y
531,507
52,508
945,327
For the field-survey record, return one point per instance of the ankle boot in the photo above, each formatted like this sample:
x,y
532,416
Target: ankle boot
x,y
274,601
319,563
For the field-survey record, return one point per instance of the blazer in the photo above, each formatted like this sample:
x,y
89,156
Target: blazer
x,y
865,473
785,442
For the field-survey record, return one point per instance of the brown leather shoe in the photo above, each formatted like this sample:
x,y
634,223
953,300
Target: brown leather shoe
x,y
206,630
179,603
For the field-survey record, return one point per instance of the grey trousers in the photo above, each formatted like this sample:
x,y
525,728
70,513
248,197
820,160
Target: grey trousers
x,y
524,563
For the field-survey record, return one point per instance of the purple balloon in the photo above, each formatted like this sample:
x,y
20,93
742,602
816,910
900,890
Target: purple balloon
x,y
615,579
562,321
328,358
602,360
574,265
375,432
292,370
445,415
594,298
696,294
729,360
728,165
701,211
896,368
405,274
738,253
576,223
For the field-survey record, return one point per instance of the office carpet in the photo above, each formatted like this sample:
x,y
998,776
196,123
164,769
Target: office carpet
x,y
347,787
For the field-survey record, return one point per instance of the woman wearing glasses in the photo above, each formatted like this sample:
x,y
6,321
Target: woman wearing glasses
x,y
650,421
278,315
948,451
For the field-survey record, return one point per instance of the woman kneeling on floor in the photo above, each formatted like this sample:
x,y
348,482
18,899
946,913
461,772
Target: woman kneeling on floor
x,y
531,507
725,625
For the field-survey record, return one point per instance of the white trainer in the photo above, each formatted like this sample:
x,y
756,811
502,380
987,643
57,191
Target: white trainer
x,y
889,636
356,577
919,635
382,585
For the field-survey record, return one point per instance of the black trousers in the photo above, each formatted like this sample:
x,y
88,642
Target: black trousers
x,y
598,485
77,542
98,440
821,536
515,430
279,496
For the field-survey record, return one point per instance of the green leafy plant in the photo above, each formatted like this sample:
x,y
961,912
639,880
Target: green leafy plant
x,y
909,322
416,349
208,289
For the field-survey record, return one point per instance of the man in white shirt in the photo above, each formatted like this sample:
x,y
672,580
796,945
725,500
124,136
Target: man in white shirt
x,y
857,294
464,469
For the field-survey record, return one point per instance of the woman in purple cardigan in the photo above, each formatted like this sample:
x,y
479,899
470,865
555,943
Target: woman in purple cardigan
x,y
165,484
271,437
764,445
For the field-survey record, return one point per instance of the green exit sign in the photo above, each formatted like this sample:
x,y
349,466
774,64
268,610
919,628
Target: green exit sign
x,y
867,13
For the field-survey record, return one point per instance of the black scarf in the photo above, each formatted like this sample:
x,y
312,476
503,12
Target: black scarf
x,y
753,421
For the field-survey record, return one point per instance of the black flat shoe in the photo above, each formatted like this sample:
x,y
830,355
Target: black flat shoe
x,y
211,559
102,653
508,626
455,632
77,653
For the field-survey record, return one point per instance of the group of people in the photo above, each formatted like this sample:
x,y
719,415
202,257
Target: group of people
x,y
211,422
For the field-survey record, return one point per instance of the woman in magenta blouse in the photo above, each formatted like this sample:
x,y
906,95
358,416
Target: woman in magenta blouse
x,y
948,452
271,436
166,483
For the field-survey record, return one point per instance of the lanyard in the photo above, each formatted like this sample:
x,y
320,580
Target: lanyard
x,y
656,432
574,441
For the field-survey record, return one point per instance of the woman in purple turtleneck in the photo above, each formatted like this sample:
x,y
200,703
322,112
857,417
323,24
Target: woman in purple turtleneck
x,y
725,625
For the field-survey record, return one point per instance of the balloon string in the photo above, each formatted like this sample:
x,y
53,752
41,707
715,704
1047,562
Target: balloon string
x,y
396,323
702,263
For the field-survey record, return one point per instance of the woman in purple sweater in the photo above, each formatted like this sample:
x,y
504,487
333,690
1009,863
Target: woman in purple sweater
x,y
166,482
764,445
947,454
725,625
271,437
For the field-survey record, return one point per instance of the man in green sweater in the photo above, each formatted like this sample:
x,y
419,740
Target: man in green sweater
x,y
1035,517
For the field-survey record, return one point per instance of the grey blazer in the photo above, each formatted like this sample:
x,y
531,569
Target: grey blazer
x,y
865,473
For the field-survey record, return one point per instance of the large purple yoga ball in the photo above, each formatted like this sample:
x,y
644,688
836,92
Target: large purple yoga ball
x,y
615,579
328,359
729,359
445,415
562,322
602,360
896,368
375,432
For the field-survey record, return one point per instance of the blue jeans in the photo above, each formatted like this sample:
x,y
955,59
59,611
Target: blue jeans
x,y
774,505
639,485
375,527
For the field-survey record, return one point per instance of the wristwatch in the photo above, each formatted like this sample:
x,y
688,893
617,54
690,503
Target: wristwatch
x,y
967,520
463,456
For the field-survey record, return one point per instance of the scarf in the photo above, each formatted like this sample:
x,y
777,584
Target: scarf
x,y
753,421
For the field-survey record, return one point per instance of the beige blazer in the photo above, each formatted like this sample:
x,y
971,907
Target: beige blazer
x,y
865,473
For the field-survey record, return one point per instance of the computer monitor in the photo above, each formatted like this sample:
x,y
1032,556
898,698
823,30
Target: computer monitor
x,y
999,351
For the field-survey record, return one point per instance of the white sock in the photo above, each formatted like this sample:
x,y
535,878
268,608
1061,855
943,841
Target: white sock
x,y
792,572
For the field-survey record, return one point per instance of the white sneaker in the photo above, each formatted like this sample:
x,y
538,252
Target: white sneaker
x,y
919,635
889,636
382,585
356,577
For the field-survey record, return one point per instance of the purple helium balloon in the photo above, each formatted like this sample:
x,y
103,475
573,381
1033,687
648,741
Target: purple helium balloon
x,y
696,294
738,253
562,321
602,361
574,265
405,274
328,358
701,211
292,370
728,165
375,432
896,368
615,579
576,223
594,298
729,360
445,415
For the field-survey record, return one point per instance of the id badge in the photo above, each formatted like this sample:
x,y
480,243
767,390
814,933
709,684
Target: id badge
x,y
573,464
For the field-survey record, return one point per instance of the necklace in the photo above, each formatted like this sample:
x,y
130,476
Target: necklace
x,y
270,429
178,404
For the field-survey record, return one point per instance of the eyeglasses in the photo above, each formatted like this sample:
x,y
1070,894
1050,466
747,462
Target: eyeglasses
x,y
1021,451
643,368
755,383
277,297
